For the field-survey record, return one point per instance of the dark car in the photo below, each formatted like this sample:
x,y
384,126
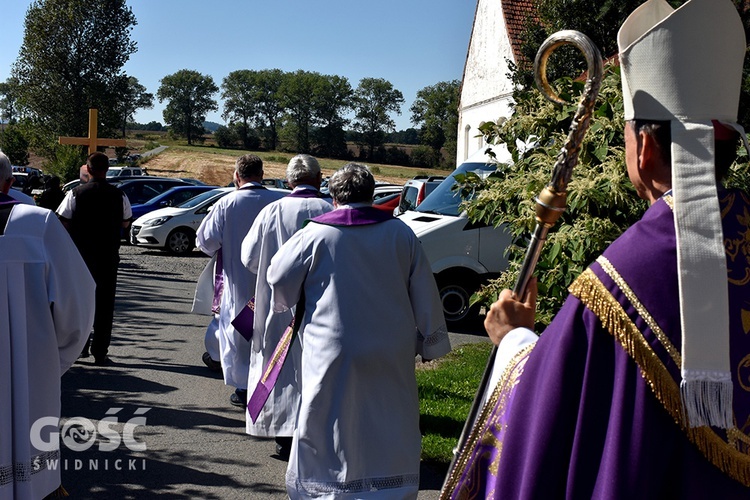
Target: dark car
x,y
139,190
170,198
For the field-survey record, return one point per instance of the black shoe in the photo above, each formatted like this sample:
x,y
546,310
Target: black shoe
x,y
239,398
105,361
210,363
283,447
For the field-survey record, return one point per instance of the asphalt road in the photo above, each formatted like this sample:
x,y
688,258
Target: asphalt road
x,y
186,441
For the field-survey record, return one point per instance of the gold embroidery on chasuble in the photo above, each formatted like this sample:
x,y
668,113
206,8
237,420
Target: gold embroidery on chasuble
x,y
730,455
738,247
489,429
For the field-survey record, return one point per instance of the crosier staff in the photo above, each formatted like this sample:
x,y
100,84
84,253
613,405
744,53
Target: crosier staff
x,y
550,204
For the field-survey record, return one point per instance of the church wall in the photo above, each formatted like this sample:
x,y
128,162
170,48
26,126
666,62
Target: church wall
x,y
486,89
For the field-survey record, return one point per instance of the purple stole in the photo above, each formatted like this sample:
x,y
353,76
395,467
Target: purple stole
x,y
243,323
340,217
593,410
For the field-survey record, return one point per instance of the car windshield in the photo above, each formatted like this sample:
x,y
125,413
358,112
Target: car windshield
x,y
197,200
443,200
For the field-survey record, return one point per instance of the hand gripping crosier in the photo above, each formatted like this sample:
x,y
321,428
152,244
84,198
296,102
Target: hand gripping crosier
x,y
550,204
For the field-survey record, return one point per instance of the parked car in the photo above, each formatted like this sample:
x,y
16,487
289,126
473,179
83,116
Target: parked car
x,y
124,171
462,254
387,203
172,197
277,183
173,228
141,189
382,190
415,191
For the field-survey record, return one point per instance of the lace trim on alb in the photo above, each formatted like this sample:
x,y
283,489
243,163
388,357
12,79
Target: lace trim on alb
x,y
21,472
358,485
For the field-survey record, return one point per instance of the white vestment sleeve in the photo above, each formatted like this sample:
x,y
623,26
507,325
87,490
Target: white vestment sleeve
x,y
203,300
208,237
71,292
250,250
432,341
287,273
512,343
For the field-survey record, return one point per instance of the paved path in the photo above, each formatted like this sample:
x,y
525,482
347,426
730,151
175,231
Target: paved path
x,y
195,444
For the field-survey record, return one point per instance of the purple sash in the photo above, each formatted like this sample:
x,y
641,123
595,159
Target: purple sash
x,y
360,216
218,283
243,323
271,373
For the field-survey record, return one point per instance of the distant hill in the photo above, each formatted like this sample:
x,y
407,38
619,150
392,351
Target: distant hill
x,y
211,126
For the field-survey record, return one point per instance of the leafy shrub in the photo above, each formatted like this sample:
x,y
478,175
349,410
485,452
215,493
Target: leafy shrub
x,y
601,200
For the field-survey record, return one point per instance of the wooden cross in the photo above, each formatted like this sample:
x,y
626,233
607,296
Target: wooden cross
x,y
93,141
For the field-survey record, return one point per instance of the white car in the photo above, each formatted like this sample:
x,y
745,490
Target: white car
x,y
173,228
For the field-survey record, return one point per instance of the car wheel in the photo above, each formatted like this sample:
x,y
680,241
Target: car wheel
x,y
180,241
455,296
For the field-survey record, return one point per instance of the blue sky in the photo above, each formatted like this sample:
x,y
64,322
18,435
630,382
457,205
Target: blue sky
x,y
411,43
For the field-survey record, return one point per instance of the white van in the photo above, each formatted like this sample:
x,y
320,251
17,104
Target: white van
x,y
462,254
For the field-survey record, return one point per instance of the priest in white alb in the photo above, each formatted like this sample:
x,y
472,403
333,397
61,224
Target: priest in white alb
x,y
46,314
370,306
275,224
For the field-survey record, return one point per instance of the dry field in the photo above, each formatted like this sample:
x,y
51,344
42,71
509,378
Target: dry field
x,y
216,169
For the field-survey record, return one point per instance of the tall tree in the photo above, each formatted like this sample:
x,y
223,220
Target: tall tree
x,y
134,97
436,110
299,92
374,100
190,97
8,100
71,59
252,97
239,91
333,101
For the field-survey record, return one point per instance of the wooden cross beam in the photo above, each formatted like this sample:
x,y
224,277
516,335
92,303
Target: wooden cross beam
x,y
93,141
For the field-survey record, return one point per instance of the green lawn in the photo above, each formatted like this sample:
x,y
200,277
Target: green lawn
x,y
446,391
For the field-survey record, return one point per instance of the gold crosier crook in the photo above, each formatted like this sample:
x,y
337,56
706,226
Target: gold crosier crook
x,y
550,204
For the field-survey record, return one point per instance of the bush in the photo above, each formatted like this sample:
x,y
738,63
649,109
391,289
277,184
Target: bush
x,y
66,162
601,200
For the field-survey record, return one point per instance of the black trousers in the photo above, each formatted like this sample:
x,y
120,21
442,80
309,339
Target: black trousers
x,y
105,276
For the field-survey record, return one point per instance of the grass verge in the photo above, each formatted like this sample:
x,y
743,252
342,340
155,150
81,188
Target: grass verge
x,y
446,391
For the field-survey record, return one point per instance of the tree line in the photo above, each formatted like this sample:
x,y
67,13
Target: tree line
x,y
72,59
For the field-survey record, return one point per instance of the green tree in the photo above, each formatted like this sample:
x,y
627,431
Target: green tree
x,y
252,98
189,95
239,91
436,110
71,59
299,92
601,200
14,143
8,100
374,100
333,100
134,97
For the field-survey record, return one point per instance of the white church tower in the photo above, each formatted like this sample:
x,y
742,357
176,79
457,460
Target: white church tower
x,y
486,90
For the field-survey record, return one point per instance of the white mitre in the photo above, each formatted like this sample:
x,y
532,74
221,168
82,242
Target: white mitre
x,y
685,66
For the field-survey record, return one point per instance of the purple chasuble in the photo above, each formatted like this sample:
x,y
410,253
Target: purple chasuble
x,y
593,411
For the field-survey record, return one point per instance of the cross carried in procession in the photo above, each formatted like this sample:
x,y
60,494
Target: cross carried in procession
x,y
93,141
